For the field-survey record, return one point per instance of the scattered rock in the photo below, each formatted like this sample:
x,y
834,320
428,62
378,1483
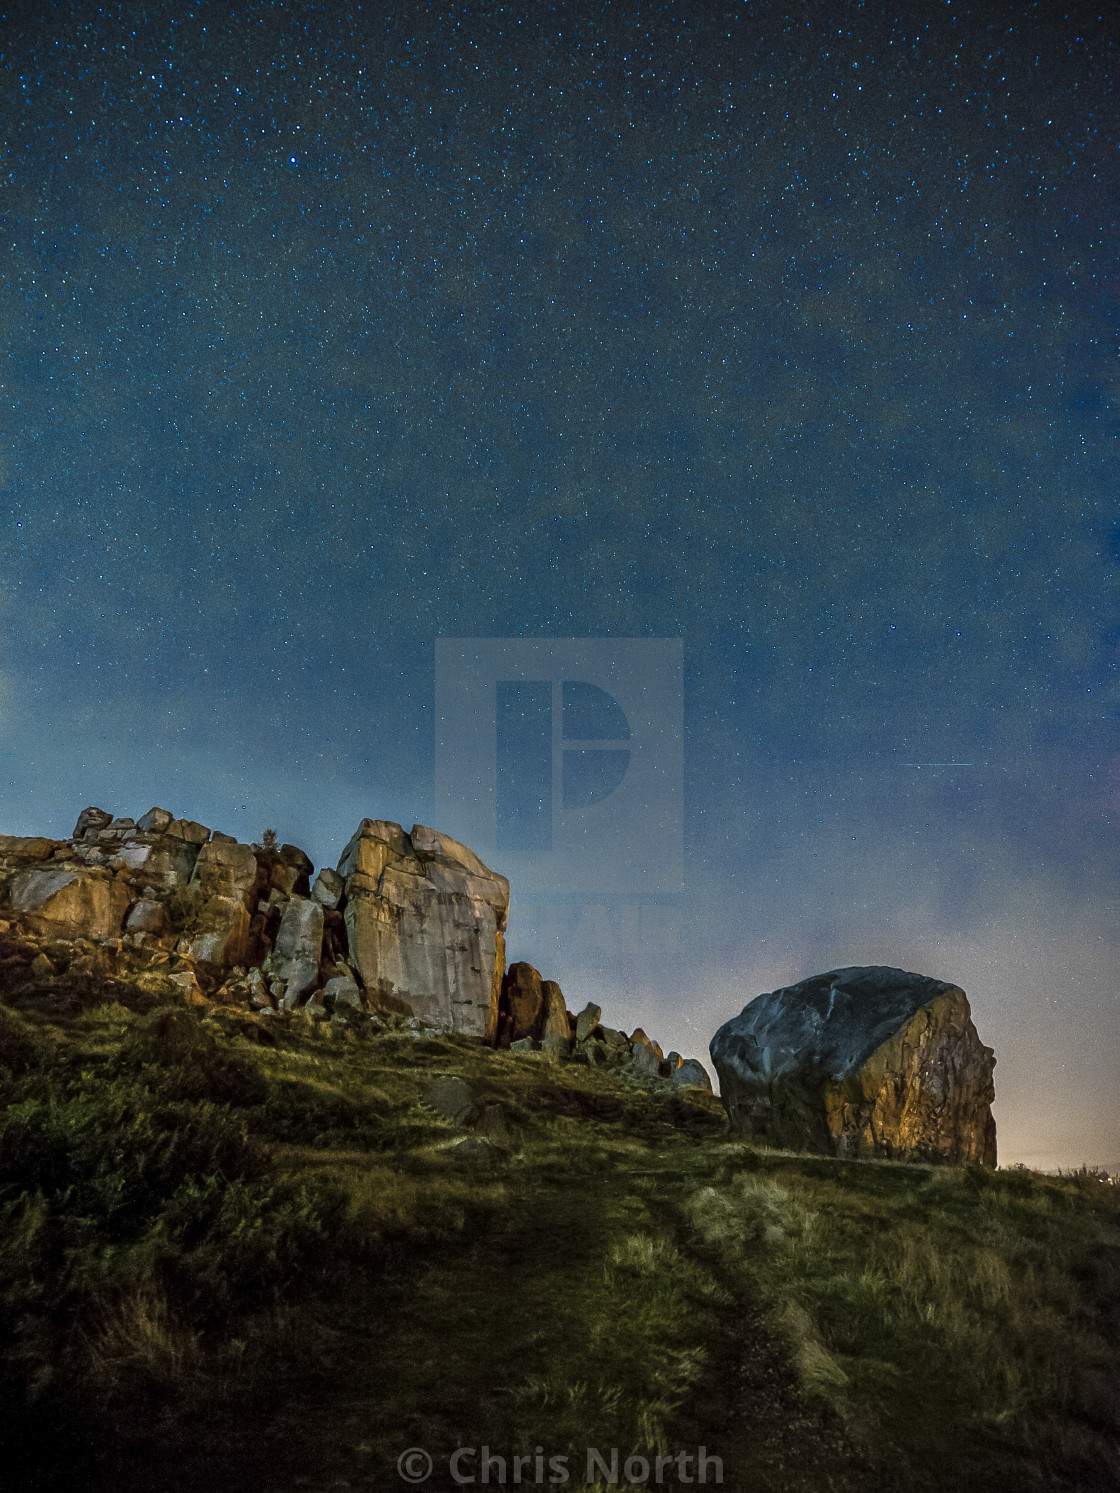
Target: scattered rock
x,y
523,1044
638,1038
587,1021
691,1074
258,991
615,1043
643,1061
342,991
555,1028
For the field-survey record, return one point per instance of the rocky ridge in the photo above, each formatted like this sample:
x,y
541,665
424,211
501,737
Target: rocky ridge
x,y
408,929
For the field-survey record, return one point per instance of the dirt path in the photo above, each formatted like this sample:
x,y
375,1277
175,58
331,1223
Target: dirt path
x,y
502,1342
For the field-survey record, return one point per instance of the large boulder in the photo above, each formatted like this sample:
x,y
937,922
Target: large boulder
x,y
520,1005
90,821
165,861
28,847
531,1009
690,1074
587,1021
555,1029
328,889
425,921
299,943
221,886
70,901
863,1062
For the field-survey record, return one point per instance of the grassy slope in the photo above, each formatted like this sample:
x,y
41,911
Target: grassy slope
x,y
228,1266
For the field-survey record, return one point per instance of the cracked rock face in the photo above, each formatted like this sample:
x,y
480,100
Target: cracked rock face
x,y
867,1061
425,922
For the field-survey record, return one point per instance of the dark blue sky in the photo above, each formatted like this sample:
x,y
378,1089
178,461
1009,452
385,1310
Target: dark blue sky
x,y
789,331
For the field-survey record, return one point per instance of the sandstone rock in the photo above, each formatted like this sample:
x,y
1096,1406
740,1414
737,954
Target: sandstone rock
x,y
289,870
91,819
70,901
329,887
644,1061
29,847
146,916
342,991
166,862
587,1021
520,1005
218,928
258,991
638,1038
555,1028
866,1061
691,1075
226,863
155,821
426,921
188,830
618,1048
185,982
301,930
295,959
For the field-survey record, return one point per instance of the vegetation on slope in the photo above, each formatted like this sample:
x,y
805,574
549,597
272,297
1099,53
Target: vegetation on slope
x,y
239,1253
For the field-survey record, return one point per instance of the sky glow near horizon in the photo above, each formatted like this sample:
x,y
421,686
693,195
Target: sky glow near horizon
x,y
789,332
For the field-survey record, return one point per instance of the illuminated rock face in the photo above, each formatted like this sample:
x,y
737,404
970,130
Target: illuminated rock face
x,y
868,1061
425,923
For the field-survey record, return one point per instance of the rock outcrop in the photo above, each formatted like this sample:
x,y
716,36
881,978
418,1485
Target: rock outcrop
x,y
426,925
862,1062
411,924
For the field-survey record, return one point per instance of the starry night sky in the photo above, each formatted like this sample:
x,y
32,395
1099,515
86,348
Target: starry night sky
x,y
787,330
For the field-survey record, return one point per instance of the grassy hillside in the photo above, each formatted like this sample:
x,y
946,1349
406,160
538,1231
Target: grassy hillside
x,y
242,1253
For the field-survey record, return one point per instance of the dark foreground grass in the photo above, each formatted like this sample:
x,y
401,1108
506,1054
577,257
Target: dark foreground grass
x,y
235,1257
